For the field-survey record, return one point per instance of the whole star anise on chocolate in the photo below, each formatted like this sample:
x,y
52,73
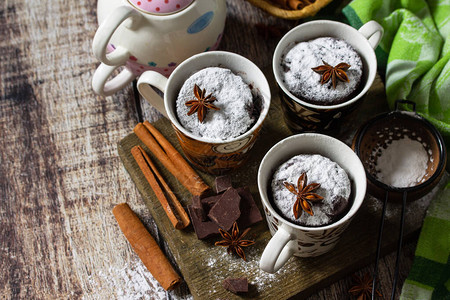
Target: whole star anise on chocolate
x,y
234,241
201,103
304,195
337,72
362,288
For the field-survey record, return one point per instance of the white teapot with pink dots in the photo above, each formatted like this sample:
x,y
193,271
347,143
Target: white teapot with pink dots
x,y
157,35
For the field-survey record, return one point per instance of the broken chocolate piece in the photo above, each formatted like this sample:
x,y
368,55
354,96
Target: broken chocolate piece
x,y
209,202
226,210
202,229
250,213
236,285
198,208
223,183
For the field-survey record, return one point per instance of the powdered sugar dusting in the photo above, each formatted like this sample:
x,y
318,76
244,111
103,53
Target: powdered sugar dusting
x,y
403,163
234,98
334,187
304,83
256,277
132,281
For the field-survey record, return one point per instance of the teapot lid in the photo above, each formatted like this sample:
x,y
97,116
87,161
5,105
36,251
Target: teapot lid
x,y
160,6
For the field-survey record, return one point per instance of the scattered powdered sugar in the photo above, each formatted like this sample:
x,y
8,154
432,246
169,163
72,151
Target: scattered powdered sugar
x,y
257,278
403,163
334,187
132,281
304,83
234,98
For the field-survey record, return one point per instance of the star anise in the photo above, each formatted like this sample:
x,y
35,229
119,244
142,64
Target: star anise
x,y
304,195
328,72
362,287
234,241
201,103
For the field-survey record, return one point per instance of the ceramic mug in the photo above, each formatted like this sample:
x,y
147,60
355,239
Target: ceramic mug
x,y
303,116
211,156
151,35
290,239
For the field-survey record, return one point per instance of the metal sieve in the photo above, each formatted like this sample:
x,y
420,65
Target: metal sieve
x,y
375,136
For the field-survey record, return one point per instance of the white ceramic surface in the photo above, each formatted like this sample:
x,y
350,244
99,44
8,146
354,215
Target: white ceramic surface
x,y
364,41
291,239
141,41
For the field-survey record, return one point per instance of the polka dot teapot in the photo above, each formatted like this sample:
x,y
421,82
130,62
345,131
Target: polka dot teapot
x,y
156,35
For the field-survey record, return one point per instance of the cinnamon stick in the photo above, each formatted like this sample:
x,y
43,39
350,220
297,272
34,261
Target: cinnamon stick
x,y
146,247
282,3
173,208
297,4
293,4
171,158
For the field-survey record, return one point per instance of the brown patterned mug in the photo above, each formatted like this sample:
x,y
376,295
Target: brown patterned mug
x,y
206,154
290,239
303,116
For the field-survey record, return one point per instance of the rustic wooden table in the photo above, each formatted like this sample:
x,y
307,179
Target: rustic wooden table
x,y
60,173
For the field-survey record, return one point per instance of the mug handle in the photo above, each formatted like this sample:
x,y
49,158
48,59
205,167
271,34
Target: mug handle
x,y
373,32
102,86
145,83
105,31
277,252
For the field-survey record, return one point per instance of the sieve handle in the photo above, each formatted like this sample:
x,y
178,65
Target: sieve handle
x,y
397,102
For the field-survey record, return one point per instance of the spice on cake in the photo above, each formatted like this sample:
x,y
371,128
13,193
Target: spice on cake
x,y
222,100
323,71
318,187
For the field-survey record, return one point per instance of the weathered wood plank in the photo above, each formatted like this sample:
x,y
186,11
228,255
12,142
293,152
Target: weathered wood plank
x,y
60,173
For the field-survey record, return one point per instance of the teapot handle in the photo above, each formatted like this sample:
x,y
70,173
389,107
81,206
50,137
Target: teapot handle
x,y
102,86
105,31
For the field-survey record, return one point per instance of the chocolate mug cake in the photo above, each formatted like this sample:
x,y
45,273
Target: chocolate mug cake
x,y
310,190
215,103
322,71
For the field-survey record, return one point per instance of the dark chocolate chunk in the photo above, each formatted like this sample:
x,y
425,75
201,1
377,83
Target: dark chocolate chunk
x,y
250,213
198,208
202,229
209,202
223,183
226,210
236,285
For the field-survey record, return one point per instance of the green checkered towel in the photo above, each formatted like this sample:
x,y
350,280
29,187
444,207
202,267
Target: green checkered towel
x,y
429,277
414,57
414,54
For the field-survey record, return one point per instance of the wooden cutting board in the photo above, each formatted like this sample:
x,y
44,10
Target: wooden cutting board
x,y
204,266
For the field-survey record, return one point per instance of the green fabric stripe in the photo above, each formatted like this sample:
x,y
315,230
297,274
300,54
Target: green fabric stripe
x,y
413,290
382,58
433,246
426,271
352,17
440,208
441,291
